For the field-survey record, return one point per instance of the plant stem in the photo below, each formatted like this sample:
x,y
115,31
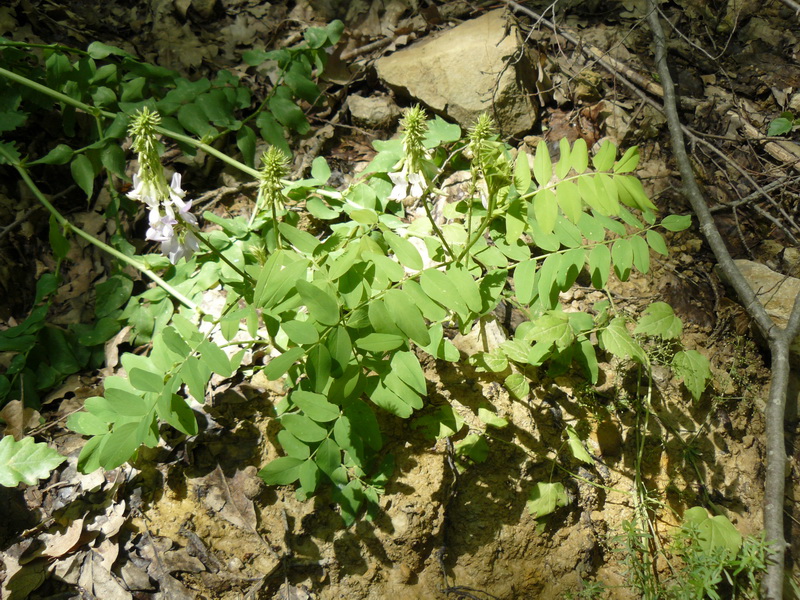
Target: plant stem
x,y
207,244
779,339
94,241
93,110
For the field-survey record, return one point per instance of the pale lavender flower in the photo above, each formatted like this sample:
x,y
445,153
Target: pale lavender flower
x,y
182,245
161,226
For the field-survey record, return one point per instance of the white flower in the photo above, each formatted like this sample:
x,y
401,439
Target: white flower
x,y
145,191
402,180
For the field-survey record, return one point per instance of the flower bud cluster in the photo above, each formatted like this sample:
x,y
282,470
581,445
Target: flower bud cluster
x,y
409,180
171,223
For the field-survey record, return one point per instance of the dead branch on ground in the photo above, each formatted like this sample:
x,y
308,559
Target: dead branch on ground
x,y
779,339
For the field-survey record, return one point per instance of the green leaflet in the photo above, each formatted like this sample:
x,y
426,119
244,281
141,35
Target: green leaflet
x,y
545,498
303,428
616,339
321,306
622,255
522,173
542,165
25,461
659,320
553,328
407,316
524,275
693,368
315,406
576,446
281,471
405,251
292,446
439,288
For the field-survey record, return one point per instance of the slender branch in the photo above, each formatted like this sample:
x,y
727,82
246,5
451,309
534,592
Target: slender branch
x,y
94,241
779,339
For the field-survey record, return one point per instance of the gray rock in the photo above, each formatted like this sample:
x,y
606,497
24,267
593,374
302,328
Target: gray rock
x,y
777,292
377,112
467,70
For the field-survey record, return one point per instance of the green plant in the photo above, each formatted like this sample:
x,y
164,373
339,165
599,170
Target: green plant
x,y
783,124
718,562
346,315
83,100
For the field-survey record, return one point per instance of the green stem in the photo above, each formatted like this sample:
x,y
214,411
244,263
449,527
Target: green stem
x,y
216,252
481,229
275,225
92,240
98,112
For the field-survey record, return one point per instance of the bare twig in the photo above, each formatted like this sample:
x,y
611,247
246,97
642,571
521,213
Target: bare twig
x,y
610,64
794,6
779,339
641,83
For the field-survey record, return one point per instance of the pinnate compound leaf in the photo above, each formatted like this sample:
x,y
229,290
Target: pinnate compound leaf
x,y
660,320
616,340
577,448
281,471
26,461
545,498
693,368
